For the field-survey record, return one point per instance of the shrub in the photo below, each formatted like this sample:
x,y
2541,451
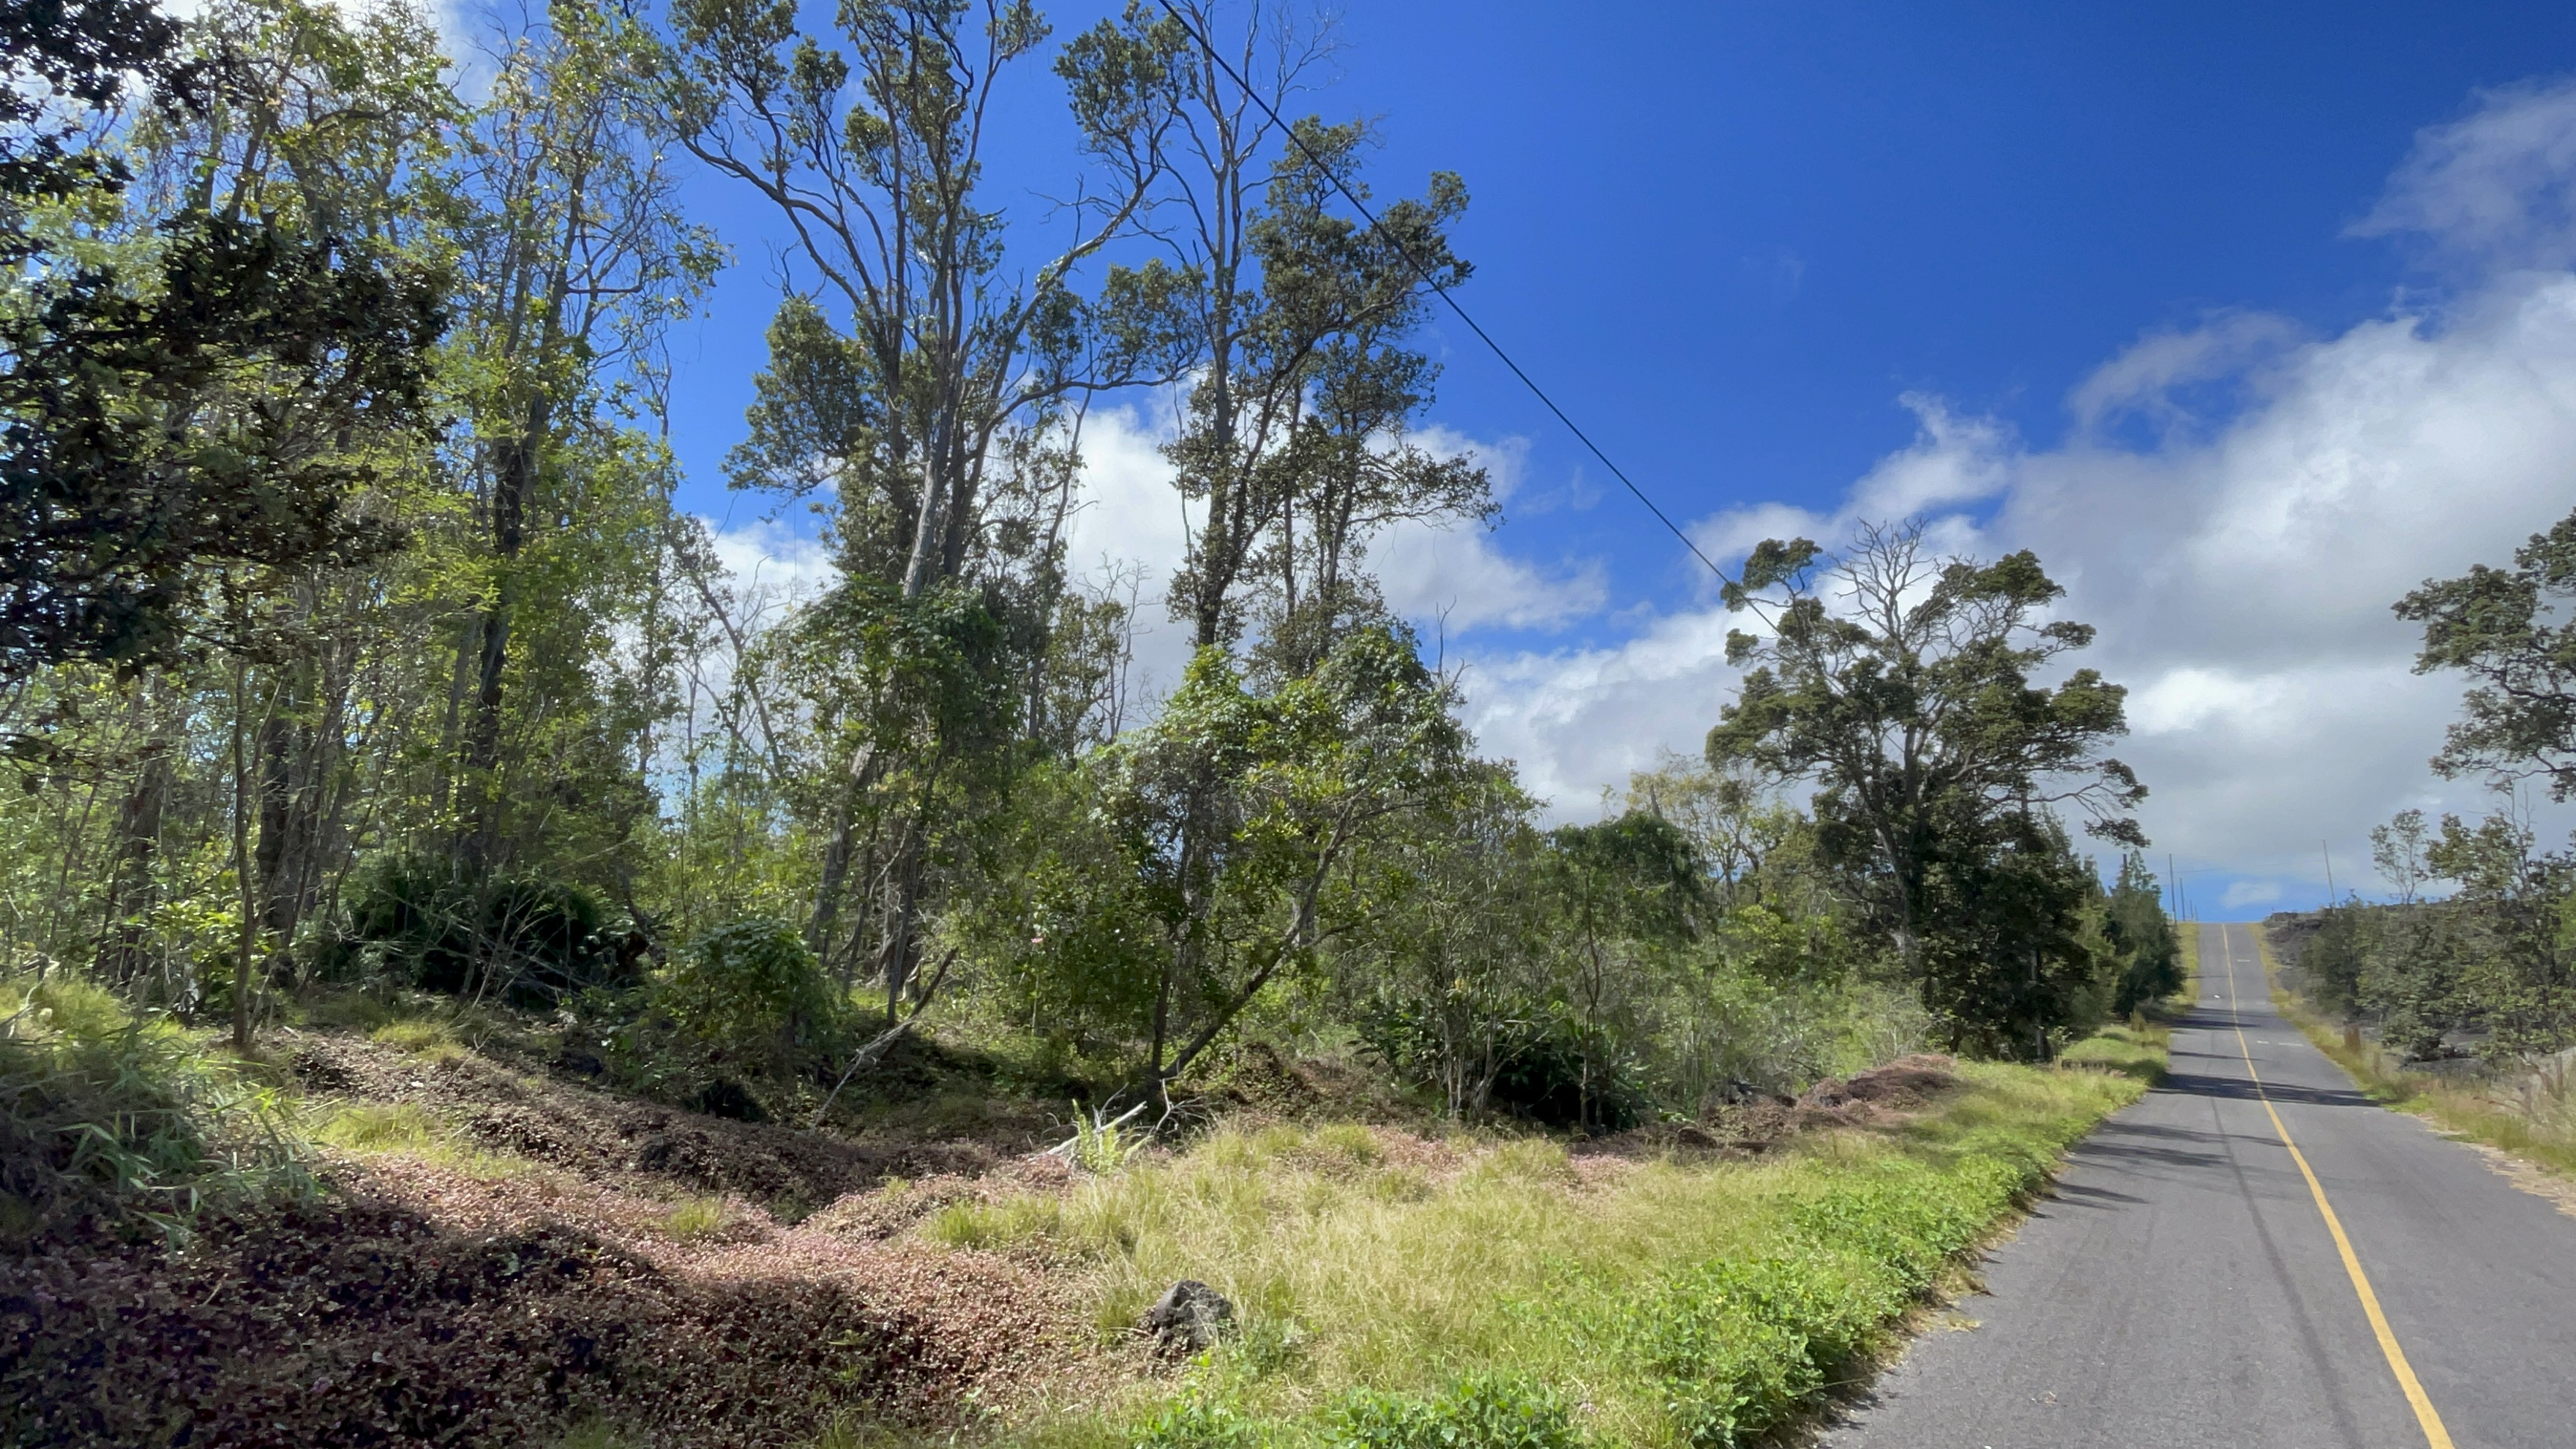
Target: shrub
x,y
1541,1076
752,992
744,1009
535,941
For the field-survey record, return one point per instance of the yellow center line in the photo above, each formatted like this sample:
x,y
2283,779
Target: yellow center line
x,y
2431,1422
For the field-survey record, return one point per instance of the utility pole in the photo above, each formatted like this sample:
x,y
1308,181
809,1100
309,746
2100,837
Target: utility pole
x,y
2328,847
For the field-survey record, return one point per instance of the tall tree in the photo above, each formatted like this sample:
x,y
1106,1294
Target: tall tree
x,y
871,145
177,401
575,257
1301,389
1900,684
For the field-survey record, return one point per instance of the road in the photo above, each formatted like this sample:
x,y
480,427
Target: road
x,y
2184,1285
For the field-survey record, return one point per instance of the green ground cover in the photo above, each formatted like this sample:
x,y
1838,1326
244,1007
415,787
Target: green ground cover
x,y
1501,1292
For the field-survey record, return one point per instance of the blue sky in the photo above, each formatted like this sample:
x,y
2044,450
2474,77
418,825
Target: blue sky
x,y
1794,264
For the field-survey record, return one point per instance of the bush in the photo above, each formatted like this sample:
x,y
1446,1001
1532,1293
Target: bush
x,y
111,1116
535,941
751,991
1541,1078
745,1004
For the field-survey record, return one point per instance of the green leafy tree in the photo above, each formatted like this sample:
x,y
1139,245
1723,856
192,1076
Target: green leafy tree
x,y
2516,960
1900,685
1623,888
573,258
2141,938
1452,980
2508,630
1238,809
920,351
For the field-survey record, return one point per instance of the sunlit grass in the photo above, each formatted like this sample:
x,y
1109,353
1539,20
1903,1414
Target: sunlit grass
x,y
1645,1293
699,1217
407,1129
380,1127
2137,1050
424,1037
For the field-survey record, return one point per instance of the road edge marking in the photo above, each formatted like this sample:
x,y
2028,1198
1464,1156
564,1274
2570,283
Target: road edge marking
x,y
2425,1417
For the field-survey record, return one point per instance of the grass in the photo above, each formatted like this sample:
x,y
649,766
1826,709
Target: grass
x,y
121,1115
425,1037
407,1129
381,1127
2540,1129
699,1217
1497,1294
2137,1050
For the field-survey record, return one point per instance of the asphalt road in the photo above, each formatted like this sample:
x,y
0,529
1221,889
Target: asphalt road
x,y
2183,1286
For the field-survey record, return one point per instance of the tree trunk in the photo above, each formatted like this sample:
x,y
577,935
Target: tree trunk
x,y
120,957
243,866
513,492
834,880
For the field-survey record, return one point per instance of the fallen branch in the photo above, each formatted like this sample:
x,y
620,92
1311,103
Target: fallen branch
x,y
874,1052
1066,1148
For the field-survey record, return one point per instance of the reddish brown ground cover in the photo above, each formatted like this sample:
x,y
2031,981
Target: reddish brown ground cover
x,y
415,1303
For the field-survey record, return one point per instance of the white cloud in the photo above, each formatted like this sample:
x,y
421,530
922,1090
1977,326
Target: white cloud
x,y
770,564
2257,893
1133,527
1453,576
1131,535
2495,189
2143,379
2241,577
1579,720
1953,461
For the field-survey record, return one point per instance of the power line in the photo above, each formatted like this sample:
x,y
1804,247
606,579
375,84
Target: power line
x,y
1433,283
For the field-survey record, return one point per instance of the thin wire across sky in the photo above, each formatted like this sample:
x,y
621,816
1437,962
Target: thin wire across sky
x,y
1428,280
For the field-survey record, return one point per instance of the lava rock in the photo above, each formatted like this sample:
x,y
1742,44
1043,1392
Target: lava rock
x,y
1191,1318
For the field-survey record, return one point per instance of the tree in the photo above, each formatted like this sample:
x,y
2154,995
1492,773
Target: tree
x,y
1301,390
2141,938
2512,964
574,259
1905,696
2399,851
873,154
1621,886
207,396
1237,809
1755,846
871,145
1452,979
2508,630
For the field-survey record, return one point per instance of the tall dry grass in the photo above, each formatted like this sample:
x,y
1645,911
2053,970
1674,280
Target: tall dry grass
x,y
1671,1299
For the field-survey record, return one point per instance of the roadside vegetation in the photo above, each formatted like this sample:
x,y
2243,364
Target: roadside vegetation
x,y
570,981
2455,994
2527,1111
1400,1290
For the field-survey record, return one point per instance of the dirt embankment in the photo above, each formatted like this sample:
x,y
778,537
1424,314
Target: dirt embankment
x,y
693,1280
605,1138
579,1274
